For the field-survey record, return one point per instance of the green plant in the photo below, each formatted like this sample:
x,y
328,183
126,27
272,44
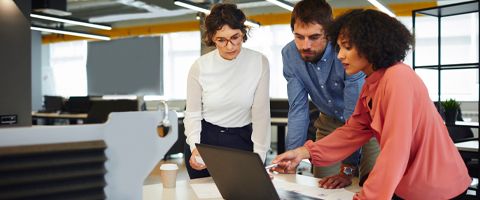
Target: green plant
x,y
450,104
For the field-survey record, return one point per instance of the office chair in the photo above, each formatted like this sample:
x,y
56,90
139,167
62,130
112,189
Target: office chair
x,y
77,104
100,109
52,104
279,107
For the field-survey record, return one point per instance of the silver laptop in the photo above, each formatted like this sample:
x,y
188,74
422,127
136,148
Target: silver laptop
x,y
241,175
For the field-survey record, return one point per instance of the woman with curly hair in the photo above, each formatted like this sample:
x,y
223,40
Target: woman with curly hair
x,y
417,159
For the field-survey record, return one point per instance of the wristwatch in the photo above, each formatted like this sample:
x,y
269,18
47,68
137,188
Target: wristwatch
x,y
347,170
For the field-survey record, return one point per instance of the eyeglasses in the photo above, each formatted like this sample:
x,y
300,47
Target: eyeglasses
x,y
223,42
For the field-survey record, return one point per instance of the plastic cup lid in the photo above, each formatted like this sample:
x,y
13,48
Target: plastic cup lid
x,y
168,166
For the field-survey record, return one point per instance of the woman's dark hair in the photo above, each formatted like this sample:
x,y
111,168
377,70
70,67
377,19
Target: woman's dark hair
x,y
312,11
381,39
224,14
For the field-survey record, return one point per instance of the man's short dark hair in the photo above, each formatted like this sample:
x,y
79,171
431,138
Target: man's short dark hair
x,y
381,39
224,14
312,11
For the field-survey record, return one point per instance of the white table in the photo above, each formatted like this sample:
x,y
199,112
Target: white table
x,y
470,146
183,191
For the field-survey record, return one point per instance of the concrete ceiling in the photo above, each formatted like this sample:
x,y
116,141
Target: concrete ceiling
x,y
122,13
125,15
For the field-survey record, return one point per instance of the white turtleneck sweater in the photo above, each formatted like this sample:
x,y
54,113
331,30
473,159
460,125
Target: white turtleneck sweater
x,y
230,93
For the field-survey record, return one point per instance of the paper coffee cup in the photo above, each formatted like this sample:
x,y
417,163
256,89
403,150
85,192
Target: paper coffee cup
x,y
168,172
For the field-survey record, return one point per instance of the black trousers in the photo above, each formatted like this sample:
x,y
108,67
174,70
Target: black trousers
x,y
459,197
238,138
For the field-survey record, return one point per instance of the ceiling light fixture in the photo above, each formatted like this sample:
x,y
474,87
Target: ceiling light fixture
x,y
191,6
79,34
282,3
382,8
198,8
70,21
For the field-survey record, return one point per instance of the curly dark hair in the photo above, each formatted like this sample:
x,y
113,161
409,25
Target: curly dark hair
x,y
312,11
224,14
381,39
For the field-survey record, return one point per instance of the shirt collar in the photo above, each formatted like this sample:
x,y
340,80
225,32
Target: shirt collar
x,y
371,82
375,76
226,62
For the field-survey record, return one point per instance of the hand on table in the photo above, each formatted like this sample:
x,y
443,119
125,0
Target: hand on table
x,y
335,181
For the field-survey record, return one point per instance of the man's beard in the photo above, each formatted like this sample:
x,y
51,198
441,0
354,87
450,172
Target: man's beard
x,y
312,57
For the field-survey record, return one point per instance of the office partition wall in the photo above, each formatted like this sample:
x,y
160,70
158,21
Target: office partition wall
x,y
15,61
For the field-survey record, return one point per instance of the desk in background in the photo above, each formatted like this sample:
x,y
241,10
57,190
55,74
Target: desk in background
x,y
51,117
183,190
469,150
468,146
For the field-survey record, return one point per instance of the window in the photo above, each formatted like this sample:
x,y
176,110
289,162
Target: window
x,y
180,50
270,40
66,72
459,45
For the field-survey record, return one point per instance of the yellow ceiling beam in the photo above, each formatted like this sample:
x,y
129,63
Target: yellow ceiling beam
x,y
264,19
400,9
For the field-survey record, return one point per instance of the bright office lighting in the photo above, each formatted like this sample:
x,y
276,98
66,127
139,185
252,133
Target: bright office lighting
x,y
153,97
69,21
282,4
192,7
87,35
206,11
382,8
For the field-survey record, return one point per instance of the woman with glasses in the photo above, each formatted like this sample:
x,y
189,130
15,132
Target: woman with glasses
x,y
228,100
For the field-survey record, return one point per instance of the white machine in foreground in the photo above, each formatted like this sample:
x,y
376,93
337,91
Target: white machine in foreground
x,y
133,146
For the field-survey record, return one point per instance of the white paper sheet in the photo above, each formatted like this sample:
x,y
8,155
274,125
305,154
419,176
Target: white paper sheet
x,y
316,192
210,190
206,190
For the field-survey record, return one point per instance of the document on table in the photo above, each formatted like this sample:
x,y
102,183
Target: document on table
x,y
206,190
316,192
210,191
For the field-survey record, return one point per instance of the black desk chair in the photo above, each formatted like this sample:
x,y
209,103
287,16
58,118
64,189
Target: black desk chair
x,y
52,104
77,104
102,108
